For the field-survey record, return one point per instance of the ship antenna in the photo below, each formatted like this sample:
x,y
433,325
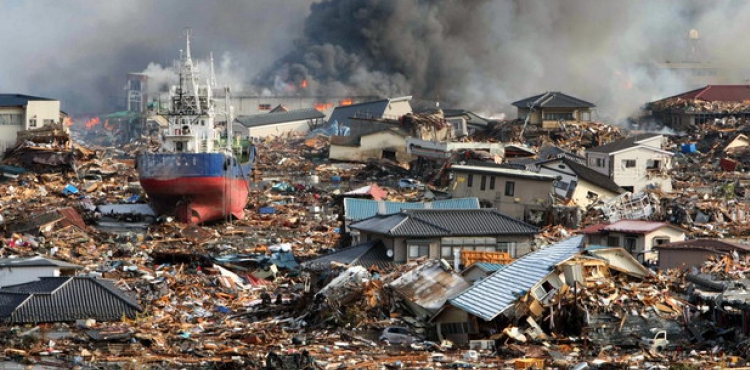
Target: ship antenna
x,y
213,75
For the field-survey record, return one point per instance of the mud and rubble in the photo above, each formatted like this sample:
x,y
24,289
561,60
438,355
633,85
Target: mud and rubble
x,y
233,294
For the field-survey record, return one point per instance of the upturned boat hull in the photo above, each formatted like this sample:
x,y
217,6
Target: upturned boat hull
x,y
195,187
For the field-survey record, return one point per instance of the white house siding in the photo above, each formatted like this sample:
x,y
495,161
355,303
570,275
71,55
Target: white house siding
x,y
8,132
44,111
567,176
397,108
644,242
637,177
272,130
580,195
20,275
372,146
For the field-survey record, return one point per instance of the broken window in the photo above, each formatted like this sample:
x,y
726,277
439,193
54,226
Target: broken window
x,y
592,195
562,185
510,188
653,164
659,240
389,154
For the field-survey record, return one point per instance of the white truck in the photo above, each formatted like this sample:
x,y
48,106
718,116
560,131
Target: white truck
x,y
657,342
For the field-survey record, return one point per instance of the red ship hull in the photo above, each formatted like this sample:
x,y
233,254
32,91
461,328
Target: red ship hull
x,y
197,200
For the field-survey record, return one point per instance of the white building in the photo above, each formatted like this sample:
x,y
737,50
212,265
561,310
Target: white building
x,y
23,112
635,163
279,123
23,270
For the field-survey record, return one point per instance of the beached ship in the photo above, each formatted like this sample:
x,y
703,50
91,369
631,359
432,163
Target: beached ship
x,y
196,175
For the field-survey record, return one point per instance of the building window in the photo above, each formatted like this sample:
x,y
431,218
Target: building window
x,y
630,244
599,162
32,122
418,250
562,185
591,195
507,247
613,241
492,182
628,163
48,121
483,183
653,164
585,116
566,116
264,106
470,180
510,188
11,120
659,240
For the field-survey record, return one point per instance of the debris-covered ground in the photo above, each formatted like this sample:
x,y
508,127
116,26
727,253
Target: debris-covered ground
x,y
232,294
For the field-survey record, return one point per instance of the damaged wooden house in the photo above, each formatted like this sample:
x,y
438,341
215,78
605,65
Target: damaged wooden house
x,y
565,289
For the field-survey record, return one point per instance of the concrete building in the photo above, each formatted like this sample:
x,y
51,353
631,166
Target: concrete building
x,y
24,112
520,194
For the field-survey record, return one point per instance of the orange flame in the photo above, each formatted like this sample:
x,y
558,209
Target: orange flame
x,y
345,102
107,126
303,84
92,122
323,106
68,122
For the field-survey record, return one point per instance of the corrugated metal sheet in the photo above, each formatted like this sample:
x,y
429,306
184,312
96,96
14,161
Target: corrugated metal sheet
x,y
492,296
430,285
365,255
360,209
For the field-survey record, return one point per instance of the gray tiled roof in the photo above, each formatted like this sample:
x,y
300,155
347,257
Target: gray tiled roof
x,y
365,255
280,117
493,295
65,299
625,143
554,99
19,100
430,222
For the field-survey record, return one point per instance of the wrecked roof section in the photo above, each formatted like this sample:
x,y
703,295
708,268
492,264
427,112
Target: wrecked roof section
x,y
372,253
430,285
492,296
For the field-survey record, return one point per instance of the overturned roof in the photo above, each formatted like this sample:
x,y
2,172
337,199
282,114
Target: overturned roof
x,y
432,222
493,295
553,99
360,209
280,117
65,299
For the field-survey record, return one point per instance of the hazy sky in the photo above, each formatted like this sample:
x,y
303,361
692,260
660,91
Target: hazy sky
x,y
479,55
